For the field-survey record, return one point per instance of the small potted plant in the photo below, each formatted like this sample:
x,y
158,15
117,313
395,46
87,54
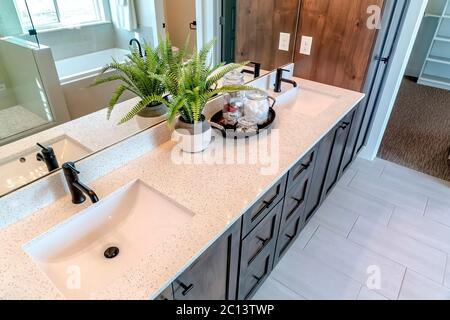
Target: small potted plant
x,y
134,76
191,85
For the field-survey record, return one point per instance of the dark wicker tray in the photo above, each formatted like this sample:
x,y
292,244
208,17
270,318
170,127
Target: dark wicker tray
x,y
229,131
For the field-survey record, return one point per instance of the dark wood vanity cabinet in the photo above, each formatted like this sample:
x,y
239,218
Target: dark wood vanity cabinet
x,y
237,264
214,275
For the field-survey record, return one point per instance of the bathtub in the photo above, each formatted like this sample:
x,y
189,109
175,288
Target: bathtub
x,y
78,73
87,65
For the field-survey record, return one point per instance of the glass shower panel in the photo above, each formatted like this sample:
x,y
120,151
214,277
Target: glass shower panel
x,y
15,21
24,107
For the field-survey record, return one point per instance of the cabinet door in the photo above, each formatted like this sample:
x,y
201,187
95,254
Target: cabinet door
x,y
314,198
287,236
340,140
350,148
213,276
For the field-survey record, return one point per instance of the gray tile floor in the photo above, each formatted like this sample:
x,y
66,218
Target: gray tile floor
x,y
383,233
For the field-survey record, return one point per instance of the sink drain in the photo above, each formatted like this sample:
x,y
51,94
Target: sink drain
x,y
111,252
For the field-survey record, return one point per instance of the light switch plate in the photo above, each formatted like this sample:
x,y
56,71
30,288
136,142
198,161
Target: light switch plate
x,y
2,87
306,45
285,40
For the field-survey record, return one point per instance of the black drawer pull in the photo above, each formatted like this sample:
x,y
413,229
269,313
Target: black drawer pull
x,y
303,169
290,237
263,241
271,201
267,205
344,125
297,200
257,278
186,289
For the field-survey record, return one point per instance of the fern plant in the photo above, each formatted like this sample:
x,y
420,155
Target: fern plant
x,y
141,76
192,84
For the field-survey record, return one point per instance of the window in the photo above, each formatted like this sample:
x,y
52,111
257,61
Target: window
x,y
50,14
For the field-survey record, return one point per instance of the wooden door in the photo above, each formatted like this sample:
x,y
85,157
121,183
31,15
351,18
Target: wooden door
x,y
342,42
259,23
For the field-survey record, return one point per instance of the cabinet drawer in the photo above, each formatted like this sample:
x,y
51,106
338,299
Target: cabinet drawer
x,y
295,200
261,238
255,276
263,206
303,168
288,235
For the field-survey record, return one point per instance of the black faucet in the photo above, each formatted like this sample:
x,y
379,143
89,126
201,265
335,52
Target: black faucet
x,y
48,156
77,189
279,80
256,72
139,46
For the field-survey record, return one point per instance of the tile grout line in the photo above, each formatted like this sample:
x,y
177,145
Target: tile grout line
x,y
402,284
312,236
359,292
445,270
426,206
353,226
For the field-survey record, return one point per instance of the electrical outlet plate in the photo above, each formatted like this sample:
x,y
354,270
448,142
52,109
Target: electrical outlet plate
x,y
2,87
306,45
285,40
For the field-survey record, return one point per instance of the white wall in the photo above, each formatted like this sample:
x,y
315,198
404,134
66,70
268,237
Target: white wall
x,y
396,71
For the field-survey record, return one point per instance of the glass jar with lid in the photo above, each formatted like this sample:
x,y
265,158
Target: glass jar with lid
x,y
256,106
234,101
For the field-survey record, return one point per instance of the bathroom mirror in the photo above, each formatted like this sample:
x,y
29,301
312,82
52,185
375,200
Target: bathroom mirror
x,y
51,51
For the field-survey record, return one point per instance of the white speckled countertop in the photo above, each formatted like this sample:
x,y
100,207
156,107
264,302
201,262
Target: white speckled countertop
x,y
218,194
93,131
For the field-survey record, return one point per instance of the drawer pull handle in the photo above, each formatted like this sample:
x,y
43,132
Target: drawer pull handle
x,y
345,125
263,241
267,204
186,289
257,278
290,237
303,169
298,200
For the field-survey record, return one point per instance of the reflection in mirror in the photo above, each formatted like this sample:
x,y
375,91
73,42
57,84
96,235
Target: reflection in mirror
x,y
51,52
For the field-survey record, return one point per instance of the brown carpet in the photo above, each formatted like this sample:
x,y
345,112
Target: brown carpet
x,y
418,134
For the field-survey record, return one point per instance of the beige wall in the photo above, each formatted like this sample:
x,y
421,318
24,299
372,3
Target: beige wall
x,y
178,16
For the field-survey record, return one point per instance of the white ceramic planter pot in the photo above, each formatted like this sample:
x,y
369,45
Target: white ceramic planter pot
x,y
193,138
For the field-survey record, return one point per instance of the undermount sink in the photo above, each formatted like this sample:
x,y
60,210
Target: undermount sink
x,y
24,168
309,101
93,248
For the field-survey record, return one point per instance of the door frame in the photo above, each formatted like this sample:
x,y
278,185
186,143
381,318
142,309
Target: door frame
x,y
208,26
409,26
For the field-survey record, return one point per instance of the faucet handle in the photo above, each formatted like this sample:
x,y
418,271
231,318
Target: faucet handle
x,y
70,166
